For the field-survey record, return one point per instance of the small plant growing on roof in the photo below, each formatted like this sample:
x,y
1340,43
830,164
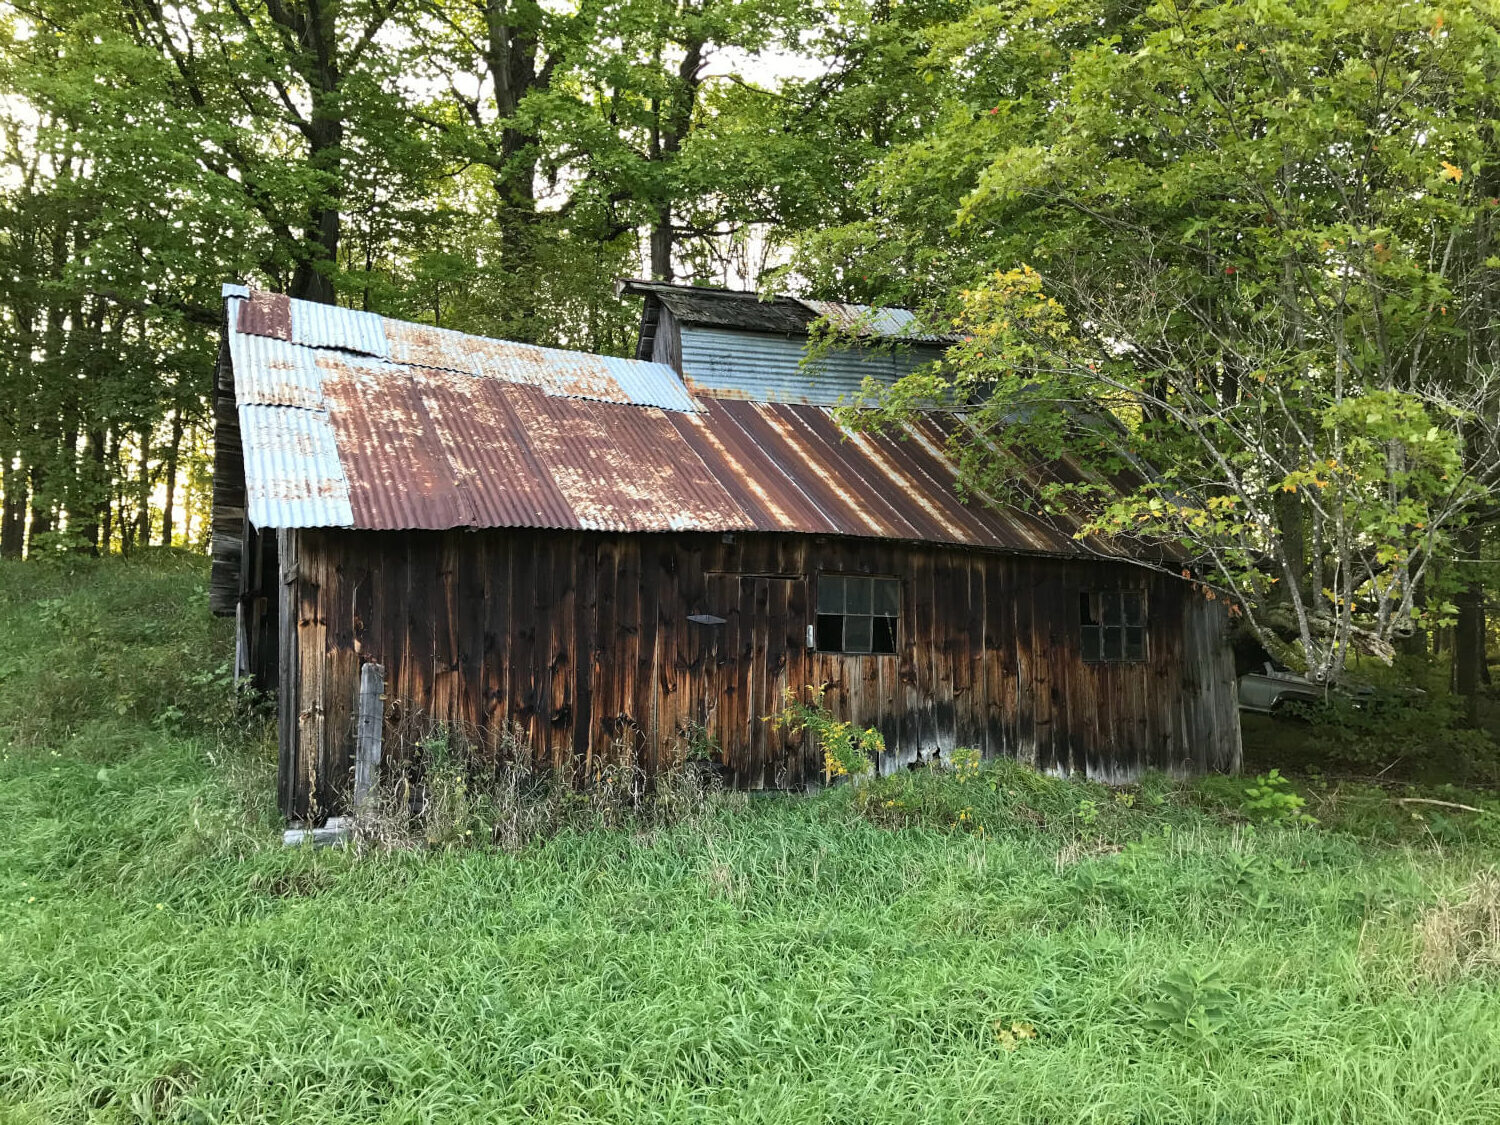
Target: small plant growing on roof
x,y
847,750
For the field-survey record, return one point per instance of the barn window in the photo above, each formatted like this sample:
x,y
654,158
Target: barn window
x,y
857,614
1113,625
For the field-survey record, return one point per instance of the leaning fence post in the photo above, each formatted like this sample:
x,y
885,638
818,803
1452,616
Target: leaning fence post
x,y
370,724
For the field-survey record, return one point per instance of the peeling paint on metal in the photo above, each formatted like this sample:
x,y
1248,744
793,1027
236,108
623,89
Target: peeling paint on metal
x,y
266,314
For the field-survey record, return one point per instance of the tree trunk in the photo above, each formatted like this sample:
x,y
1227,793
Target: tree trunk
x,y
107,516
93,464
1291,526
661,246
315,27
1468,631
173,454
318,256
675,120
41,508
13,512
143,492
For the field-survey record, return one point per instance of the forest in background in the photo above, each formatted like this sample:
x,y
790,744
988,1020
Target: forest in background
x,y
1258,233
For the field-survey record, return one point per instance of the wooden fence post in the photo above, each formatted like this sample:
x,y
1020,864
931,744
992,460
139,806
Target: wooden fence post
x,y
370,725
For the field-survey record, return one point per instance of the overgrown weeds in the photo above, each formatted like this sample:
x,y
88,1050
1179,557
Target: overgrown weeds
x,y
453,789
1460,937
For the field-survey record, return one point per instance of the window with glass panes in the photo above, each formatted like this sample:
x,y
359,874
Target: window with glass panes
x,y
1113,625
857,614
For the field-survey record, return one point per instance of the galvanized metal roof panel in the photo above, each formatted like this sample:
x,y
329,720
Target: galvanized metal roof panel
x,y
765,368
422,345
329,326
274,372
293,474
651,384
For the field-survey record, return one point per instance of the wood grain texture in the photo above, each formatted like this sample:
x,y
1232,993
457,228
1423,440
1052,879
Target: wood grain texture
x,y
583,640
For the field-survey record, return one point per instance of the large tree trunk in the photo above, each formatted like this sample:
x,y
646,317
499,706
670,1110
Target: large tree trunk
x,y
13,511
41,508
315,27
98,482
1292,527
1468,631
318,257
661,245
675,120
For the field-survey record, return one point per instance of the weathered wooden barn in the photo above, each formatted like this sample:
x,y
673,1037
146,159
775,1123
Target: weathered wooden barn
x,y
607,551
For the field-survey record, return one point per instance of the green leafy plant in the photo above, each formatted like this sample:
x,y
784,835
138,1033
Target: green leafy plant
x,y
846,749
1271,800
1194,1007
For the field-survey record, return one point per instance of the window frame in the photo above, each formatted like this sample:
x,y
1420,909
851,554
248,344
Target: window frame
x,y
1108,632
887,582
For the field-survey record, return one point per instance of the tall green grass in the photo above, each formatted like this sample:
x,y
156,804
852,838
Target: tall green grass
x,y
163,958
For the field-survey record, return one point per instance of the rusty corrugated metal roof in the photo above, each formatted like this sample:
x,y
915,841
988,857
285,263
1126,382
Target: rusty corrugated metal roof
x,y
444,433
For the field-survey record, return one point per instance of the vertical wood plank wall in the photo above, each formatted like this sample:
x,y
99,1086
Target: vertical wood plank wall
x,y
583,640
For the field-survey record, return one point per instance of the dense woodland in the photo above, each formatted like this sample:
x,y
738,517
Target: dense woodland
x,y
1257,236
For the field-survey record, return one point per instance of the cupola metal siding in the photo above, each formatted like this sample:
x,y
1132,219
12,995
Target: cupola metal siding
x,y
763,367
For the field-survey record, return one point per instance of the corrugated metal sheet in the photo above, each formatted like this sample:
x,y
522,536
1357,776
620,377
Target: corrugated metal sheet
x,y
873,320
329,326
293,475
439,449
766,368
456,431
265,314
422,345
272,372
651,384
555,371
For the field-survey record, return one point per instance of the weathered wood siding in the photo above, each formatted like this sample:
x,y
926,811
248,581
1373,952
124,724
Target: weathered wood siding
x,y
583,639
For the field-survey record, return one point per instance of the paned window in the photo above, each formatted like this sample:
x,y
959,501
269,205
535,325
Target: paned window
x,y
857,614
1113,625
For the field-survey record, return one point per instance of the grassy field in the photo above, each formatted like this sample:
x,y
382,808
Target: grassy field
x,y
871,957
